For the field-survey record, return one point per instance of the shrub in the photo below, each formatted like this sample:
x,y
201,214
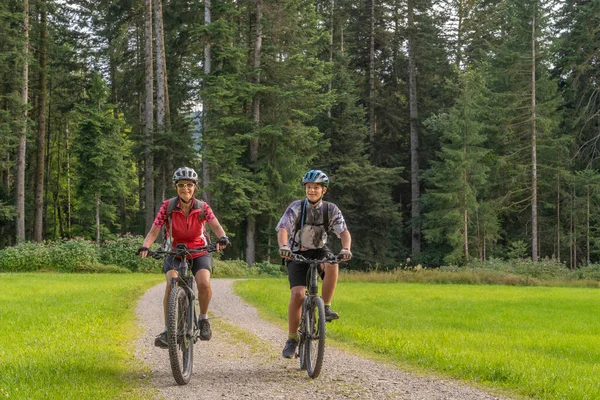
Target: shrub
x,y
266,268
231,269
73,255
591,272
544,269
25,257
122,252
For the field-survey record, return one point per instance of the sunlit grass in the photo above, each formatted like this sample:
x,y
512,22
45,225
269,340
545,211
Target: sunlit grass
x,y
541,342
65,336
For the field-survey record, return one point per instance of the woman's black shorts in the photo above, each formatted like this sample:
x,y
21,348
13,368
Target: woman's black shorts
x,y
202,262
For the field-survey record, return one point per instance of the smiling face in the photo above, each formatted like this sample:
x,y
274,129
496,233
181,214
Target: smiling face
x,y
314,191
185,189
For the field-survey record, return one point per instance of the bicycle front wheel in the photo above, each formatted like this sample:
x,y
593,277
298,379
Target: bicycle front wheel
x,y
314,345
302,334
179,337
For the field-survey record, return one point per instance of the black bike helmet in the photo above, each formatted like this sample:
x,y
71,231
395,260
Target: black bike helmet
x,y
185,173
316,176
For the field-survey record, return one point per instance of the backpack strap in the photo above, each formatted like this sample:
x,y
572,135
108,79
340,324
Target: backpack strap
x,y
302,220
171,206
326,216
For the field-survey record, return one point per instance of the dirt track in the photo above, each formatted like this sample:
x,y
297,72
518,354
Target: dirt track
x,y
243,361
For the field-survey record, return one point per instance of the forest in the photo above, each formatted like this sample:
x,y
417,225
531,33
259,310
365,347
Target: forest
x,y
452,130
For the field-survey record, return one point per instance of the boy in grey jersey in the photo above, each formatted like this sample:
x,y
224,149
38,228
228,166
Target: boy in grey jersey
x,y
303,229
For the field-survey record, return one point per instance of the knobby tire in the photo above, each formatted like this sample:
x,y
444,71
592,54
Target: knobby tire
x,y
302,335
181,345
314,346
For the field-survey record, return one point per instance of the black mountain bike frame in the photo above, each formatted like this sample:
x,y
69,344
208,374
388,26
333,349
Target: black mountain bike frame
x,y
312,330
182,319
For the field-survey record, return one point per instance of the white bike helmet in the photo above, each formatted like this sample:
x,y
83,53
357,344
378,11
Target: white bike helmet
x,y
185,173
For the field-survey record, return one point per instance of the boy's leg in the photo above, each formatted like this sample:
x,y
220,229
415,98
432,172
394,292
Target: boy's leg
x,y
294,312
329,284
295,308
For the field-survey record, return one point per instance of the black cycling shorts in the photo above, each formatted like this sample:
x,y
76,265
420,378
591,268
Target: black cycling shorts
x,y
202,262
297,270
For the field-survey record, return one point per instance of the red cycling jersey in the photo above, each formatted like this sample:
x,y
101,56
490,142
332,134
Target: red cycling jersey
x,y
188,230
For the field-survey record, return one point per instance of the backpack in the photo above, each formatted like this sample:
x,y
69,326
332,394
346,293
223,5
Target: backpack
x,y
170,207
302,220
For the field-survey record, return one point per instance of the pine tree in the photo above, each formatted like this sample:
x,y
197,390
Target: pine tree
x,y
101,149
13,60
459,179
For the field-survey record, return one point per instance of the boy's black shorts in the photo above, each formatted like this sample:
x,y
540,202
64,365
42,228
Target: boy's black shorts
x,y
297,270
202,262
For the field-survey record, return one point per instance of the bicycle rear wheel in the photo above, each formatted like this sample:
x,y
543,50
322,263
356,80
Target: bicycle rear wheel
x,y
315,336
181,343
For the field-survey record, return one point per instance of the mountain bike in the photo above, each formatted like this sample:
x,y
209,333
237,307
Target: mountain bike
x,y
182,317
312,331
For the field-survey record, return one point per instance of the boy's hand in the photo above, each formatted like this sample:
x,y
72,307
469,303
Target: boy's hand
x,y
345,255
285,252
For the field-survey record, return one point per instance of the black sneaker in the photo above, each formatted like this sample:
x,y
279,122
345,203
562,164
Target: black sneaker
x,y
205,331
330,315
289,350
161,340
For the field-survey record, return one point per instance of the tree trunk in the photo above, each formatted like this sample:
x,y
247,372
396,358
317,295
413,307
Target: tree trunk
x,y
572,241
465,214
534,216
251,220
414,137
558,218
97,219
21,150
331,32
205,106
149,120
41,139
459,34
372,78
115,100
588,226
68,145
160,70
161,101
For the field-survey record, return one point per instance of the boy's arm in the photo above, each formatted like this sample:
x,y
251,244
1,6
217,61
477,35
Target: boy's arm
x,y
282,240
282,237
346,240
345,253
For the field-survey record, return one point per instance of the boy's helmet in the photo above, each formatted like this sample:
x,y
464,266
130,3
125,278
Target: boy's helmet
x,y
185,173
316,176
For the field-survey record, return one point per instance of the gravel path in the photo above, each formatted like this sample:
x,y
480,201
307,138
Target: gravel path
x,y
243,361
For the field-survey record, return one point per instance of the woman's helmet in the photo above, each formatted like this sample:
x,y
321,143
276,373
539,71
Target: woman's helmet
x,y
316,176
185,173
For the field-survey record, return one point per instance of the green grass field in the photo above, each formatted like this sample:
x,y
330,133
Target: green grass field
x,y
539,342
66,336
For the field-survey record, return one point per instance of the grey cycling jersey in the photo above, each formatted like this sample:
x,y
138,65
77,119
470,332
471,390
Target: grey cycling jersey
x,y
311,234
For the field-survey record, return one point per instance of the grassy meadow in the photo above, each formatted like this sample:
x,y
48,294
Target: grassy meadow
x,y
539,342
70,336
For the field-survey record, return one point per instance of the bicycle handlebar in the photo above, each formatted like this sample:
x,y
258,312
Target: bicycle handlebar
x,y
182,251
331,260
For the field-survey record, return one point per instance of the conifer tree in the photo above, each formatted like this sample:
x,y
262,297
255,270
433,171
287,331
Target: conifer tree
x,y
458,181
101,148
